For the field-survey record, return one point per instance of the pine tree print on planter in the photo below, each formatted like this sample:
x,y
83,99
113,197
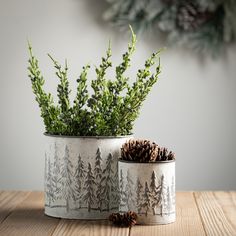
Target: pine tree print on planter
x,y
129,191
146,199
48,182
89,188
79,180
154,193
139,197
107,183
168,201
115,188
98,177
153,196
56,172
122,193
161,195
67,180
86,170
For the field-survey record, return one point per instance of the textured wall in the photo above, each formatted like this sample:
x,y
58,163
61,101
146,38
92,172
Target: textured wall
x,y
191,110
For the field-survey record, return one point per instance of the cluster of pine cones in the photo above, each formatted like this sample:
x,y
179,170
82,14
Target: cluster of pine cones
x,y
144,151
127,219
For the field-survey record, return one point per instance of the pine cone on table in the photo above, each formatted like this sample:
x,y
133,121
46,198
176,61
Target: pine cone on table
x,y
127,219
116,219
130,218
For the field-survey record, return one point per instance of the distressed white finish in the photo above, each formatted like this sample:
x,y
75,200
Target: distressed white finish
x,y
81,176
149,190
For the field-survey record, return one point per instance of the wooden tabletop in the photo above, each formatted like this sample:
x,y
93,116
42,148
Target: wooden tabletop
x,y
198,213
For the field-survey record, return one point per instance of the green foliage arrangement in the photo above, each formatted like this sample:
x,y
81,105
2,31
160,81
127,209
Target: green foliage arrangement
x,y
112,108
206,26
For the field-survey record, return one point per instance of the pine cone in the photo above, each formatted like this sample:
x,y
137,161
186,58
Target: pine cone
x,y
144,151
164,155
116,219
127,219
139,150
130,218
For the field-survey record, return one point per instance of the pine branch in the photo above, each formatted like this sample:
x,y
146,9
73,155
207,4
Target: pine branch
x,y
138,93
49,112
82,92
63,87
99,102
119,85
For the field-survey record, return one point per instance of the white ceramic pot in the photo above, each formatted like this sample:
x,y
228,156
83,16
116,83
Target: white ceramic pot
x,y
149,190
81,176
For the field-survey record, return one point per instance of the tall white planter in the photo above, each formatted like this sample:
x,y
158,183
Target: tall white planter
x,y
149,190
81,176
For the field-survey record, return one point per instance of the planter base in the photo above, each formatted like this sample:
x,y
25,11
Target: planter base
x,y
155,220
74,214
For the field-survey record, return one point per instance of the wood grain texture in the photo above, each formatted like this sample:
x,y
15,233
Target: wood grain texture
x,y
8,201
198,213
88,228
28,218
218,212
188,221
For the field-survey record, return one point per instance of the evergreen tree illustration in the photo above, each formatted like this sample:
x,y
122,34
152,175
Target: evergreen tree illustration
x,y
153,182
79,177
107,183
139,189
173,191
129,191
168,204
115,187
161,195
123,195
67,175
98,176
146,199
50,184
45,169
56,172
154,193
46,179
89,188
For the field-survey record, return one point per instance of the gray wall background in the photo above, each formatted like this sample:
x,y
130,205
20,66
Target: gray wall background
x,y
191,110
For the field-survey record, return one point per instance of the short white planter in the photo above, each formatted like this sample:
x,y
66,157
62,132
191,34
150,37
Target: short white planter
x,y
81,176
149,190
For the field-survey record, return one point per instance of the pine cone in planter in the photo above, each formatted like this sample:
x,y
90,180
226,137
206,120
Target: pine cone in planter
x,y
144,151
139,150
127,219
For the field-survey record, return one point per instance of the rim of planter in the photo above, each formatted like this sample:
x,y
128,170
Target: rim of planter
x,y
84,137
154,162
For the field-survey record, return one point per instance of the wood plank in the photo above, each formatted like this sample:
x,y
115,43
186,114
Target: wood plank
x,y
28,218
218,212
188,221
8,201
91,228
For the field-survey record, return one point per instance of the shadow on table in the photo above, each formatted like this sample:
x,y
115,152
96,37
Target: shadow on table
x,y
36,216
